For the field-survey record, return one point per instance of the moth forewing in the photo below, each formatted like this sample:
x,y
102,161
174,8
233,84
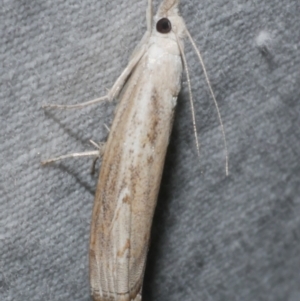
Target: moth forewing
x,y
133,162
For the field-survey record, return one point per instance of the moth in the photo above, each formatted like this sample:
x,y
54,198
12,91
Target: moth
x,y
134,155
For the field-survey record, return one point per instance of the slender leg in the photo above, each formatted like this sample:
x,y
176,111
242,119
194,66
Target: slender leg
x,y
80,105
113,92
96,153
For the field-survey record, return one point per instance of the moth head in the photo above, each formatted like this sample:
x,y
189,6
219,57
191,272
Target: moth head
x,y
167,21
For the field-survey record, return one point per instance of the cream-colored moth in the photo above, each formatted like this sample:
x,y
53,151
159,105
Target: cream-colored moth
x,y
134,155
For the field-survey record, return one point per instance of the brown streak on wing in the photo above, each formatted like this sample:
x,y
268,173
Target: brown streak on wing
x,y
130,176
122,251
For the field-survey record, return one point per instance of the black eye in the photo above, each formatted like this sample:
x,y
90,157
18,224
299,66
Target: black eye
x,y
163,25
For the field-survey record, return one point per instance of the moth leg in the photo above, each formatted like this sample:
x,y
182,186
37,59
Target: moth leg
x,y
117,86
80,105
135,58
96,153
100,147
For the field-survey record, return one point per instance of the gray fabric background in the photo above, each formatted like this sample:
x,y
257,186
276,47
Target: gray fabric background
x,y
214,237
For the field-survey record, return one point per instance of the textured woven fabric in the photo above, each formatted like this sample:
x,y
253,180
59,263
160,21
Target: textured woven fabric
x,y
214,237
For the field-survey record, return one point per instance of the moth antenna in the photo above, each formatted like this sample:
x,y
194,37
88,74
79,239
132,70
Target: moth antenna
x,y
191,95
213,97
149,15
